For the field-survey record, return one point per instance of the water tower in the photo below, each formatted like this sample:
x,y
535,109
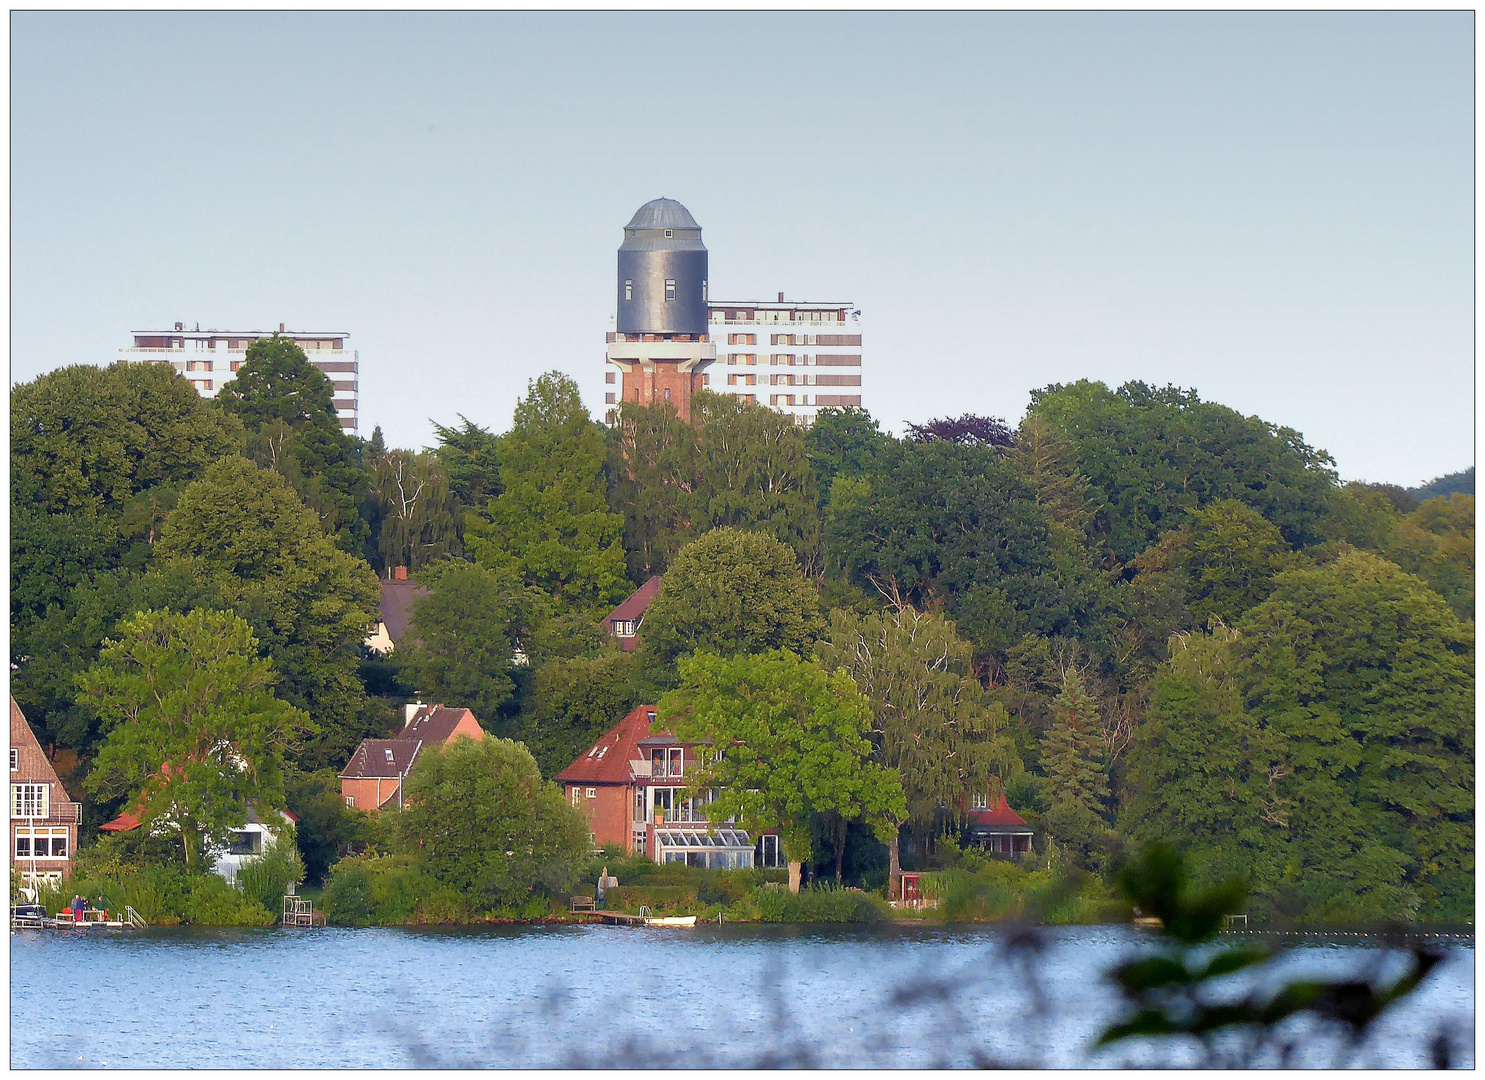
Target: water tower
x,y
660,341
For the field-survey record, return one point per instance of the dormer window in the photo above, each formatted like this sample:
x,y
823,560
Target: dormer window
x,y
979,801
670,290
389,757
628,289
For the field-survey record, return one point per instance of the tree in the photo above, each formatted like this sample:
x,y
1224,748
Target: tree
x,y
470,457
959,526
463,635
1203,773
1369,678
480,817
731,592
241,539
410,492
1153,454
1050,463
194,732
326,827
966,430
1077,780
932,722
287,405
790,743
551,525
87,439
572,702
754,473
655,482
1229,554
843,442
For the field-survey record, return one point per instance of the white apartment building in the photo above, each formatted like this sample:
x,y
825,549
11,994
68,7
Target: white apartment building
x,y
795,357
210,359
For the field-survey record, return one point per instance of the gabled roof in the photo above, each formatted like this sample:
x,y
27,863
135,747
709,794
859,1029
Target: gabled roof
x,y
396,607
434,723
999,816
387,758
638,603
608,760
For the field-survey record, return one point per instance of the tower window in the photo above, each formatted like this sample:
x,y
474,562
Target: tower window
x,y
670,290
628,289
669,233
703,290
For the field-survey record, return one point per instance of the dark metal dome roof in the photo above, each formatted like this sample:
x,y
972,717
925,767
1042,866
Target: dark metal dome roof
x,y
662,214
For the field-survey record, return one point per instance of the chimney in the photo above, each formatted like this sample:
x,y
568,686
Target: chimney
x,y
280,328
409,711
781,298
399,573
180,326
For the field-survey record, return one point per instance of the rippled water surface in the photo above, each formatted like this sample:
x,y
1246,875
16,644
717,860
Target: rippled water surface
x,y
547,996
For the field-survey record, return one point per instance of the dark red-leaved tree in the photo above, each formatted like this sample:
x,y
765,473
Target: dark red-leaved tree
x,y
967,430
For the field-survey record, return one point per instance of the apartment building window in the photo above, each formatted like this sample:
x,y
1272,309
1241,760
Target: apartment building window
x,y
670,290
236,364
29,800
628,288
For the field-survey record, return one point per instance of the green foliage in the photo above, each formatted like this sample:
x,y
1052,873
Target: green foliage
x,y
843,442
417,513
1153,455
991,890
1077,778
240,539
793,745
572,702
327,827
1458,483
267,878
1178,987
463,635
163,895
932,722
194,733
731,592
470,457
1368,677
817,904
479,818
372,889
87,439
940,523
1226,555
550,526
287,406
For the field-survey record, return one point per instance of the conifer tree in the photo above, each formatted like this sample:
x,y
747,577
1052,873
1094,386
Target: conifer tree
x,y
1077,781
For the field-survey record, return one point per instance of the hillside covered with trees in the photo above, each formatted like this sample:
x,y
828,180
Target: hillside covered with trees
x,y
1140,615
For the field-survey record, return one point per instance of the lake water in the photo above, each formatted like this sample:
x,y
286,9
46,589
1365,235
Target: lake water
x,y
593,995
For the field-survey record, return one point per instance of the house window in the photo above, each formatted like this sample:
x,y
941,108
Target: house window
x,y
15,759
628,289
389,757
29,800
669,290
350,800
667,393
591,793
575,795
979,801
23,847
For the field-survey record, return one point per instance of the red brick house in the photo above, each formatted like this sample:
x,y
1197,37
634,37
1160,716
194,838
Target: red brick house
x,y
43,820
394,612
631,787
372,779
623,622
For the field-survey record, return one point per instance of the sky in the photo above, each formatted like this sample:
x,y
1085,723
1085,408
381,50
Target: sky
x,y
1275,209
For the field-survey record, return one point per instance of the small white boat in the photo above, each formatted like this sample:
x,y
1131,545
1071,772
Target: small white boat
x,y
672,920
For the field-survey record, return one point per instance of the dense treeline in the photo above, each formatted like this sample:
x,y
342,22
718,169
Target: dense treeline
x,y
1138,614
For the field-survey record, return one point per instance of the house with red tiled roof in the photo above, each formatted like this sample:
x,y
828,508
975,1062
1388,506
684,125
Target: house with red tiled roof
x,y
43,819
998,829
243,844
373,778
631,786
623,622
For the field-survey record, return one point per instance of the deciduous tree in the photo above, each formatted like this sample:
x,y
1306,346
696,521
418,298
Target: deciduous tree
x,y
194,731
789,742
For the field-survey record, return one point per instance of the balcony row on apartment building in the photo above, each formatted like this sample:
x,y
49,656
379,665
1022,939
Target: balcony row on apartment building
x,y
210,359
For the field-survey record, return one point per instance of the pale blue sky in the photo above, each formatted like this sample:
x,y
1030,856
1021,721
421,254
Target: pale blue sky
x,y
1275,209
